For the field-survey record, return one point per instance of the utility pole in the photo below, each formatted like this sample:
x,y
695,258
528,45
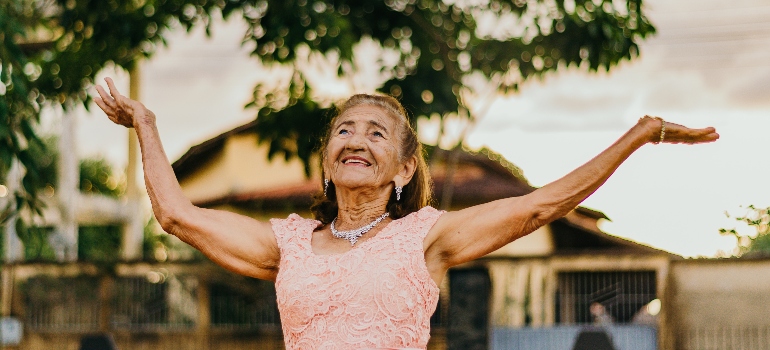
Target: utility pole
x,y
65,240
14,250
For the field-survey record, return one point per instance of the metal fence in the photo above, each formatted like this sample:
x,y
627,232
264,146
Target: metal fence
x,y
69,304
232,309
160,301
156,301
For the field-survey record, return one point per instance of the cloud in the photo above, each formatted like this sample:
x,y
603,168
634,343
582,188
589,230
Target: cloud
x,y
679,90
754,90
570,100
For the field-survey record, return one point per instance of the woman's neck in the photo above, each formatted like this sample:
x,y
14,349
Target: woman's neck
x,y
356,210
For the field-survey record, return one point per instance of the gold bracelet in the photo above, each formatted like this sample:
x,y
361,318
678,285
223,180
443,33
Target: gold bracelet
x,y
662,128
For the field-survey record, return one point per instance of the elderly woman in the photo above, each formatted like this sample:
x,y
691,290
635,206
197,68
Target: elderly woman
x,y
365,272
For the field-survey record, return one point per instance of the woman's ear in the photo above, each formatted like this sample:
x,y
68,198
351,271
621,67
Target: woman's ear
x,y
406,172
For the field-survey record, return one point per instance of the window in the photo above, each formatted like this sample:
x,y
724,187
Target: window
x,y
603,297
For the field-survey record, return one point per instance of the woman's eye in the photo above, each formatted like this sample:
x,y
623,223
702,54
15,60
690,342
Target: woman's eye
x,y
377,133
344,132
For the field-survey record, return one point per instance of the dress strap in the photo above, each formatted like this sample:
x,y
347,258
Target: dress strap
x,y
292,229
425,218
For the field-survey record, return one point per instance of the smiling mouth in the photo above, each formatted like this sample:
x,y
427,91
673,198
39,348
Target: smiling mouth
x,y
356,161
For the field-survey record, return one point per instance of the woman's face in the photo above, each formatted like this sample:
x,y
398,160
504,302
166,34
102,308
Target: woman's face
x,y
363,148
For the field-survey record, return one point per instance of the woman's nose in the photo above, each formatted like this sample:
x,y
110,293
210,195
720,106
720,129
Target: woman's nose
x,y
356,142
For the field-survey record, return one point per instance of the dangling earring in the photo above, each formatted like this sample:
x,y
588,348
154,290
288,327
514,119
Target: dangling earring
x,y
399,189
326,187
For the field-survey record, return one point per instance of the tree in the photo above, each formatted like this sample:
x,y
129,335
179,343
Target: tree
x,y
439,43
757,243
51,50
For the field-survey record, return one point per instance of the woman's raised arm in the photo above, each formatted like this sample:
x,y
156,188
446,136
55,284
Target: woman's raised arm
x,y
473,232
236,242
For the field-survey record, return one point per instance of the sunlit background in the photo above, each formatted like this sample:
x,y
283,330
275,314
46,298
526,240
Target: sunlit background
x,y
709,65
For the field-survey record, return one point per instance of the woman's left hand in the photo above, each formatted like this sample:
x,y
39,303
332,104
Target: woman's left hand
x,y
675,133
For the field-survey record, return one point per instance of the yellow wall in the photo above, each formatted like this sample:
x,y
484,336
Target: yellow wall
x,y
241,166
721,293
538,243
718,304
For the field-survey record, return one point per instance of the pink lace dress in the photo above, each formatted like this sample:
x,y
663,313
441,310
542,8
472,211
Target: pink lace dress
x,y
378,295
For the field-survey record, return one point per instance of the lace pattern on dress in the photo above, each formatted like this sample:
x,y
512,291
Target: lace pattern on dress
x,y
379,294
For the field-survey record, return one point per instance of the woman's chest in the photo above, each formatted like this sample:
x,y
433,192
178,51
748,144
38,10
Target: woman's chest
x,y
357,270
353,283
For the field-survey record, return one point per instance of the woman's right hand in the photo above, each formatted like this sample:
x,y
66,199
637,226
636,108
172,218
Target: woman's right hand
x,y
121,109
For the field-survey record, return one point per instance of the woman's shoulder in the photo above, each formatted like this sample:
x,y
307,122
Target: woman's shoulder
x,y
292,225
294,221
423,219
426,212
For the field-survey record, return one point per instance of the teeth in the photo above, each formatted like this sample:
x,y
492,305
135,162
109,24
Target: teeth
x,y
356,161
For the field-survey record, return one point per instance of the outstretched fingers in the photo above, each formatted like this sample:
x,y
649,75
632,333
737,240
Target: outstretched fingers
x,y
121,102
104,106
113,104
106,103
682,134
106,99
111,85
700,135
709,135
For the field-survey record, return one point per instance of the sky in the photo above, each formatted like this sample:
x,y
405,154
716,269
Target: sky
x,y
709,65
